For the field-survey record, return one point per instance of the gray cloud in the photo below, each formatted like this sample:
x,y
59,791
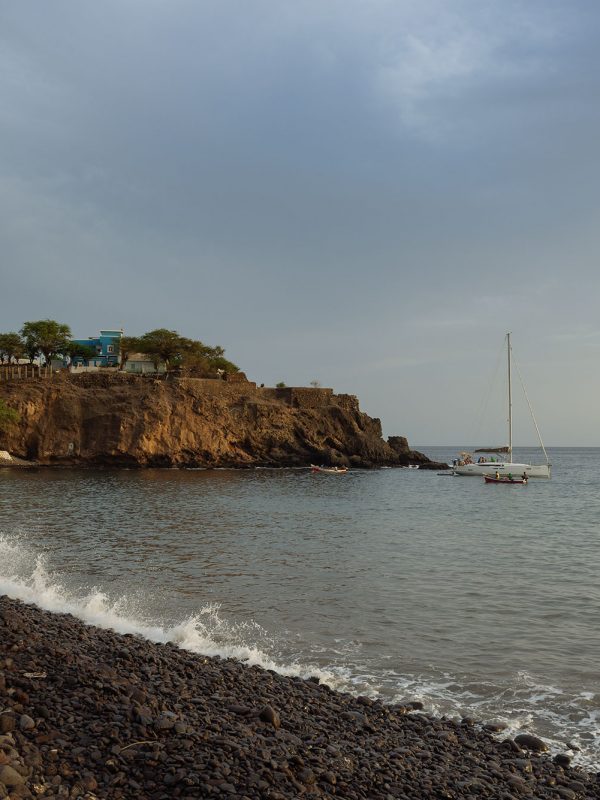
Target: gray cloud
x,y
362,192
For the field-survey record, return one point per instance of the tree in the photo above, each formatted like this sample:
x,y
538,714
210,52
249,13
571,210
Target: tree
x,y
8,416
46,336
315,384
162,345
203,358
280,385
175,350
84,351
11,346
127,345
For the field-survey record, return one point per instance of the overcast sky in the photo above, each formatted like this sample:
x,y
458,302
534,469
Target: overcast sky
x,y
369,193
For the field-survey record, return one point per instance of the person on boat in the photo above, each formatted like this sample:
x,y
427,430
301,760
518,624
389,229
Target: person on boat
x,y
525,478
497,475
510,477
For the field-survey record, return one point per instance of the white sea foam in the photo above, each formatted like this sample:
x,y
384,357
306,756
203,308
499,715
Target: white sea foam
x,y
205,632
527,705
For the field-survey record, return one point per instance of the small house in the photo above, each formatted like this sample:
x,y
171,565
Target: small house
x,y
141,364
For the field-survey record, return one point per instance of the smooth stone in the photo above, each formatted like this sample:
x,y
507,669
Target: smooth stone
x,y
307,776
566,794
7,723
26,723
562,760
531,742
495,727
268,714
10,777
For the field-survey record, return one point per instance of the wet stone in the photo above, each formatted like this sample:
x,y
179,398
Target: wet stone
x,y
531,742
562,760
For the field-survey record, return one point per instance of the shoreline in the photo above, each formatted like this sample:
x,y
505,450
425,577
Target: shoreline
x,y
86,712
103,465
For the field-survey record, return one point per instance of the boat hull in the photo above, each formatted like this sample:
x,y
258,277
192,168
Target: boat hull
x,y
503,468
505,481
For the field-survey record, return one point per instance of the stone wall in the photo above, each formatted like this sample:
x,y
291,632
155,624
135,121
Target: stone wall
x,y
217,387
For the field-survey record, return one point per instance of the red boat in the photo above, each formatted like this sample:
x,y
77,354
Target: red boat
x,y
492,479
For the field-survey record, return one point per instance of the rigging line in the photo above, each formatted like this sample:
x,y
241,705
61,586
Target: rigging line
x,y
530,409
484,406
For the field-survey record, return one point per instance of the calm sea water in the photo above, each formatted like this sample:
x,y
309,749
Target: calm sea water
x,y
478,600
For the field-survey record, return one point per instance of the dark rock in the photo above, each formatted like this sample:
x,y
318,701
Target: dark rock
x,y
7,723
307,776
268,714
566,794
495,727
531,742
26,723
10,777
562,759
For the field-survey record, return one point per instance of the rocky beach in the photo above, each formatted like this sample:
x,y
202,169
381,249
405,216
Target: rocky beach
x,y
88,713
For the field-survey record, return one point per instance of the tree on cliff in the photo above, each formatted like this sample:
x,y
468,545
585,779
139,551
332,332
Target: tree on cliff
x,y
46,337
162,345
128,345
8,416
168,346
203,358
11,346
82,350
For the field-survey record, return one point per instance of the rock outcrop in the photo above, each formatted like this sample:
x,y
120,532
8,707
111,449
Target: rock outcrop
x,y
122,420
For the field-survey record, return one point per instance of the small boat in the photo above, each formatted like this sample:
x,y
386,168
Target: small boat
x,y
329,470
493,479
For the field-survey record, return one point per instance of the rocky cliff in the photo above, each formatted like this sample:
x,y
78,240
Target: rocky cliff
x,y
123,420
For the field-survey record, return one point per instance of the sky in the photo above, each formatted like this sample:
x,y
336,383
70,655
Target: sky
x,y
367,193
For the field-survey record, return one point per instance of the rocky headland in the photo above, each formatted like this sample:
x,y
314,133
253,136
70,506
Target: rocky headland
x,y
127,420
88,713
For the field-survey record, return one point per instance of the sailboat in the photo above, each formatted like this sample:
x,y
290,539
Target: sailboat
x,y
465,465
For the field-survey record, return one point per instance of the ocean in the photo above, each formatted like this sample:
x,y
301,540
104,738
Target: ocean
x,y
478,600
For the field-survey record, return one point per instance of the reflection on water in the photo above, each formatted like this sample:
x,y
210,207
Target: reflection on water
x,y
477,599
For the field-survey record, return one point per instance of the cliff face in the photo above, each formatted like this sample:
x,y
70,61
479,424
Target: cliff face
x,y
127,420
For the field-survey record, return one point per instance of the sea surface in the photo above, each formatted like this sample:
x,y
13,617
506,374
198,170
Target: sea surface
x,y
476,599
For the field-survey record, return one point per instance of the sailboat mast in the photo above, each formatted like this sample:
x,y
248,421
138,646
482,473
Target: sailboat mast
x,y
509,402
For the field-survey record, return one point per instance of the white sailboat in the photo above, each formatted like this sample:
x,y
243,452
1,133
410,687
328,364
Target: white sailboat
x,y
466,467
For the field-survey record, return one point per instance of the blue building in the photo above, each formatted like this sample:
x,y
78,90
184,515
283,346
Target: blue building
x,y
107,349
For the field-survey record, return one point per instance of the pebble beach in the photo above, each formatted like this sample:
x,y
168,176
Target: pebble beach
x,y
89,713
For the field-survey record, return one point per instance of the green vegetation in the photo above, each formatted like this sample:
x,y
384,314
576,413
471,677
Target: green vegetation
x,y
11,347
8,416
178,351
46,337
74,350
280,385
